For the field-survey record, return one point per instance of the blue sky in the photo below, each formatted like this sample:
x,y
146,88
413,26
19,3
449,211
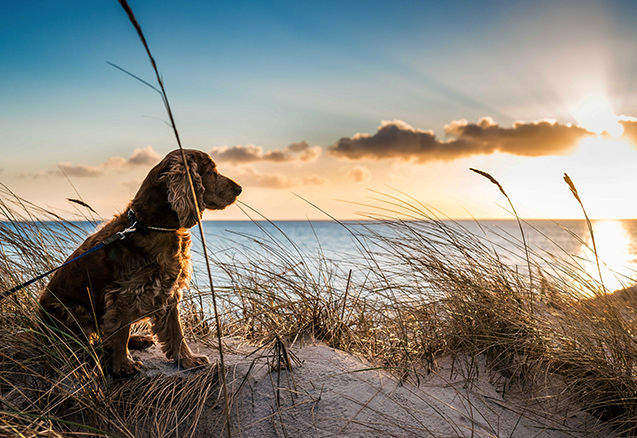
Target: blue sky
x,y
274,74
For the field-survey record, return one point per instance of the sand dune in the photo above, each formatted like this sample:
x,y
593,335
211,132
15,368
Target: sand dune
x,y
330,393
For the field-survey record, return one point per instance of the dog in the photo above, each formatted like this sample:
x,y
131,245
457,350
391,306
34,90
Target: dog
x,y
142,275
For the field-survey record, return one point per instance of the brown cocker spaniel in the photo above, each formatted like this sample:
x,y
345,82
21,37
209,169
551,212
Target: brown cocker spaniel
x,y
142,275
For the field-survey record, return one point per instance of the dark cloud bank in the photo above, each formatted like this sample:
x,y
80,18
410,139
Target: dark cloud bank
x,y
396,139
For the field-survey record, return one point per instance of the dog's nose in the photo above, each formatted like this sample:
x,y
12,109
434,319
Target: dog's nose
x,y
237,189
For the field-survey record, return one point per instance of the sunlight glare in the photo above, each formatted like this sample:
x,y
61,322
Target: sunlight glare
x,y
597,151
596,115
613,249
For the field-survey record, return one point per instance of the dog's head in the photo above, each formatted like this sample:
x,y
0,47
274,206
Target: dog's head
x,y
212,190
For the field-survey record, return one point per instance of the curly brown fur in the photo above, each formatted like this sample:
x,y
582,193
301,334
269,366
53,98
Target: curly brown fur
x,y
141,276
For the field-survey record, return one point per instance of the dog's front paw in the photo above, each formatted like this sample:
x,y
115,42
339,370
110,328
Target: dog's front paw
x,y
127,368
193,361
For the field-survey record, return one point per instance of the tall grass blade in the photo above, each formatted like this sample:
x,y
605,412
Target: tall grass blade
x,y
222,368
526,248
571,186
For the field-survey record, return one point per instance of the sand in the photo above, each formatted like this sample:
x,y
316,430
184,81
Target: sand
x,y
330,393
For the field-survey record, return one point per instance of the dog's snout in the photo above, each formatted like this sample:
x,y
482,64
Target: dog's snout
x,y
237,189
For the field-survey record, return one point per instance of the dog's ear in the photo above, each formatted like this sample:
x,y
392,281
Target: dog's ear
x,y
178,189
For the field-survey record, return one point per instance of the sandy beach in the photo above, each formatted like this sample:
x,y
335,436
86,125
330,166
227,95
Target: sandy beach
x,y
330,393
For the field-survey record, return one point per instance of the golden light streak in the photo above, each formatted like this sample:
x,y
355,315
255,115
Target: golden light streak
x,y
595,114
613,250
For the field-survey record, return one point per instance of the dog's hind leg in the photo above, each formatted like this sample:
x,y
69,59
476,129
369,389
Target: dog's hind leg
x,y
76,321
116,331
140,342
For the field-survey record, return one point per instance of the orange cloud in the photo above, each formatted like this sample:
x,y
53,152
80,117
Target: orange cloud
x,y
250,153
630,128
141,157
80,170
359,174
314,180
68,169
250,177
397,139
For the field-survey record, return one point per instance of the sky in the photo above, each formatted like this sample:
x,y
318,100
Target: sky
x,y
328,108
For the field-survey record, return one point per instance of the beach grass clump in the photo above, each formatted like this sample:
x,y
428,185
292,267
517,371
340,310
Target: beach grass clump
x,y
566,324
593,347
481,303
271,294
284,292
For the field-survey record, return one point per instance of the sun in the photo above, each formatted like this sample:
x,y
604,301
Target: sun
x,y
595,114
613,251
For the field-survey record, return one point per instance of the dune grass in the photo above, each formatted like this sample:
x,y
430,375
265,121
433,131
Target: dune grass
x,y
424,289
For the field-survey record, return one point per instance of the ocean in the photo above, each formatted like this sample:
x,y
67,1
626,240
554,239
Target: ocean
x,y
326,247
348,245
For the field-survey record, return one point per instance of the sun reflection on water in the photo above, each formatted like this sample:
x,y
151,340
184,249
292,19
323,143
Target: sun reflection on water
x,y
613,249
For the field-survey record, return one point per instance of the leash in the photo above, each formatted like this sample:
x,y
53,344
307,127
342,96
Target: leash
x,y
134,226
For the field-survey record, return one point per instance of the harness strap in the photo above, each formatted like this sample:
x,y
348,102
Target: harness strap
x,y
114,238
9,292
134,226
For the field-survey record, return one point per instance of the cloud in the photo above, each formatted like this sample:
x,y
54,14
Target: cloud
x,y
250,153
80,170
314,180
141,157
397,139
37,175
630,128
250,177
256,179
68,169
532,139
359,174
145,156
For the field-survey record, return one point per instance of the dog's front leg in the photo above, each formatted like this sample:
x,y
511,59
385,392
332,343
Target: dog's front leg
x,y
167,327
116,330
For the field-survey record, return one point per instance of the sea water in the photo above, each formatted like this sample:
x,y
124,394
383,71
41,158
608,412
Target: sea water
x,y
349,245
356,246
